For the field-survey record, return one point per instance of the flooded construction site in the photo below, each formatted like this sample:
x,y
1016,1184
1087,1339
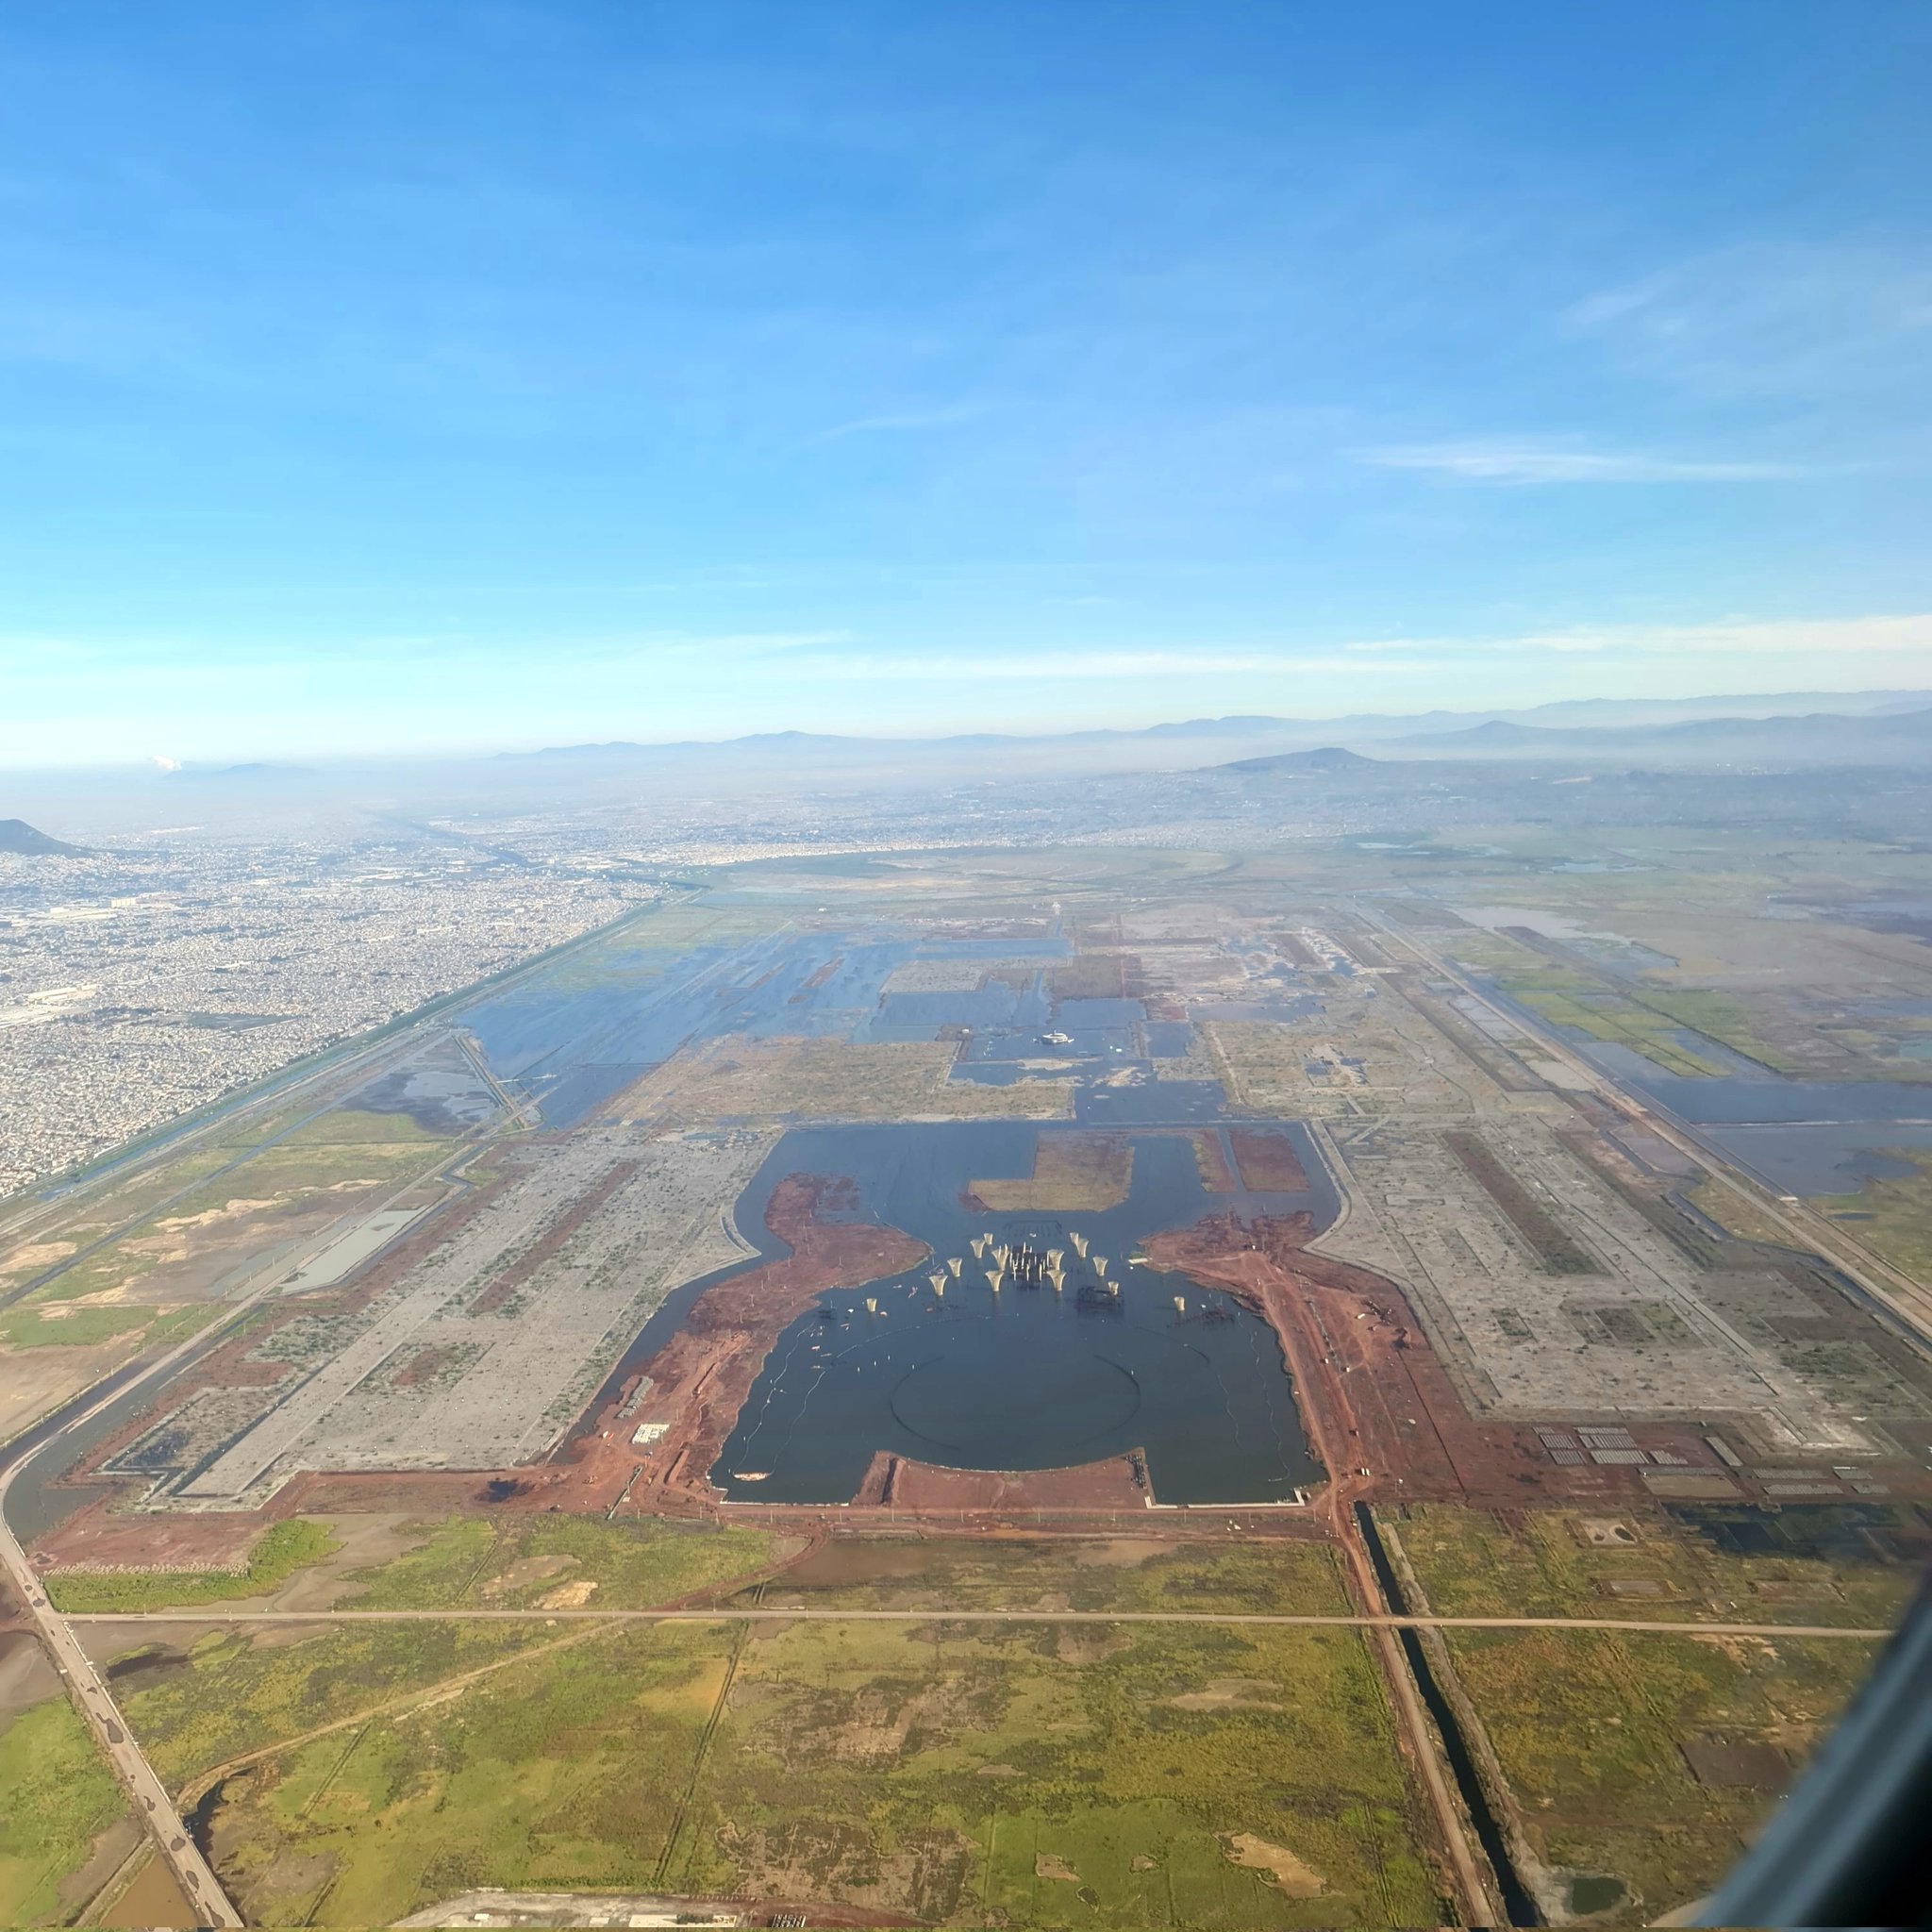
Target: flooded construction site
x,y
1034,1335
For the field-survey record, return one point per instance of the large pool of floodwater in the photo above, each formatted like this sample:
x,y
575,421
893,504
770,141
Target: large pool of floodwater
x,y
1026,1379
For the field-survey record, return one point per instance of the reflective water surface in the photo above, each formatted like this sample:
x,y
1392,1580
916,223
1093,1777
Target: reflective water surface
x,y
1025,1377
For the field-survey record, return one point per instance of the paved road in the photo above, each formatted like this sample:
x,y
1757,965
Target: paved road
x,y
220,1613
152,1804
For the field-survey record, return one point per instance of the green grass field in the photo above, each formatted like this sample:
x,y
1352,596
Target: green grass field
x,y
28,1326
1019,1775
1566,998
1060,1574
1895,1214
501,1563
324,1162
1736,1215
56,1796
282,1549
1542,1563
508,1562
233,1691
1649,1759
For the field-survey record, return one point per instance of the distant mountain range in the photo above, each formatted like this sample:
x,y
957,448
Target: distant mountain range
x,y
1587,725
1817,738
1775,731
16,835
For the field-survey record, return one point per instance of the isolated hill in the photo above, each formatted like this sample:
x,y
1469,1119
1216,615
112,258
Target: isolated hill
x,y
1818,738
16,835
1323,760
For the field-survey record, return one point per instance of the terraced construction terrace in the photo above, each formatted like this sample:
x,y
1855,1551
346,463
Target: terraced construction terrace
x,y
982,1303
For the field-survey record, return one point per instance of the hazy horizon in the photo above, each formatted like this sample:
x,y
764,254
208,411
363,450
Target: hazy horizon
x,y
1421,722
477,377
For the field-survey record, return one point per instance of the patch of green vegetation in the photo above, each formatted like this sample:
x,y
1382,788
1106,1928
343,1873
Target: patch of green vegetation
x,y
643,948
281,1550
1568,1562
288,1174
1644,1018
26,1327
1571,1000
1734,1214
56,1796
128,1200
566,1772
244,1205
353,1127
1651,1758
1723,1017
506,1561
1017,1774
31,1325
1477,948
239,1691
1895,1213
736,1077
1061,1573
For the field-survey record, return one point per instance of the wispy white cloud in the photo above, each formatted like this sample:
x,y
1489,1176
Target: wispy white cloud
x,y
1519,464
1900,636
745,643
1764,317
1829,637
1033,667
902,421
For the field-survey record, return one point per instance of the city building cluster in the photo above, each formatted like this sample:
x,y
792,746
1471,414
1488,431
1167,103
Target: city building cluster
x,y
137,986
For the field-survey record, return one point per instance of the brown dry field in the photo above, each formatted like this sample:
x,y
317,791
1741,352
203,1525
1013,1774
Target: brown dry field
x,y
899,1483
34,1380
1216,1176
780,1078
1267,1159
1072,1174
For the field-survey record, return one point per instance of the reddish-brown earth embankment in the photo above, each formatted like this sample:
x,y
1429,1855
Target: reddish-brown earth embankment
x,y
899,1483
700,1377
1379,1411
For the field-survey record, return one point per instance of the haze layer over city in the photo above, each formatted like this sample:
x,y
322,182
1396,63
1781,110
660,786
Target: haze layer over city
x,y
961,967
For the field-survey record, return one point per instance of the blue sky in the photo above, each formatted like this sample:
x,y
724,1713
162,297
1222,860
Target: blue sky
x,y
407,373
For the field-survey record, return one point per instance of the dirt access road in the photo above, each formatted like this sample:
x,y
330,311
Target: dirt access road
x,y
734,1613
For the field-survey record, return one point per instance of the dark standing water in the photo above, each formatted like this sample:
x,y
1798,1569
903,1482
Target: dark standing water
x,y
573,1036
1026,1379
